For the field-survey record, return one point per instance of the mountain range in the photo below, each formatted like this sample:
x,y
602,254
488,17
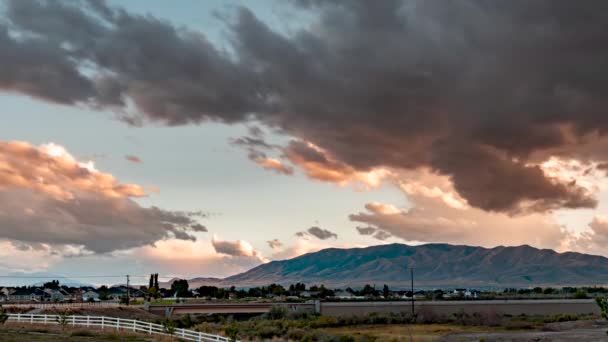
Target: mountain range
x,y
435,265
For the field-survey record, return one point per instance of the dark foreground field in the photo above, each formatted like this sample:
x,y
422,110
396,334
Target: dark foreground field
x,y
579,331
29,333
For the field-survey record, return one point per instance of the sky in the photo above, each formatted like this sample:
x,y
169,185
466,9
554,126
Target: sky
x,y
202,138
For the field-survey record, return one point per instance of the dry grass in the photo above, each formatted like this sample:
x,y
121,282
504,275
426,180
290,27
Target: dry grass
x,y
47,333
405,332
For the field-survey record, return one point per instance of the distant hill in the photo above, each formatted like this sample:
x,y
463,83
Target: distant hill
x,y
195,282
435,265
38,279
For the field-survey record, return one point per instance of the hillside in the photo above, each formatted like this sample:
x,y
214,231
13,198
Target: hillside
x,y
435,265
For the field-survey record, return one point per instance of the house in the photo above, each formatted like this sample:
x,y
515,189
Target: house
x,y
117,292
305,294
90,296
27,295
59,295
341,294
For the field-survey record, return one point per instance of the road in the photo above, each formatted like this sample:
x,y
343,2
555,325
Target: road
x,y
509,307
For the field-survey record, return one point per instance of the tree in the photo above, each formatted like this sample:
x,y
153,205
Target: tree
x,y
103,292
151,282
180,288
368,290
52,285
385,291
156,281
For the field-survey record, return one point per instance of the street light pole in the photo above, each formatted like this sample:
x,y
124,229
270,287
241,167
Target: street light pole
x,y
128,292
412,279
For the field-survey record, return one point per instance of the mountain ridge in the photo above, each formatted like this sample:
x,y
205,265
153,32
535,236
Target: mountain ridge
x,y
435,265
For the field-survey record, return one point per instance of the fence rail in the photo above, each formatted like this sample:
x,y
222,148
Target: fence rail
x,y
118,324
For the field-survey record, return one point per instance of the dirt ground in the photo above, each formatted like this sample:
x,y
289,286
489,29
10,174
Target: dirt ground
x,y
578,331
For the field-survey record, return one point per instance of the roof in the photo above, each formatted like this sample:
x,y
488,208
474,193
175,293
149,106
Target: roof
x,y
27,292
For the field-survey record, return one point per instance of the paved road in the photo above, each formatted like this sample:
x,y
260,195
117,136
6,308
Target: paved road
x,y
511,307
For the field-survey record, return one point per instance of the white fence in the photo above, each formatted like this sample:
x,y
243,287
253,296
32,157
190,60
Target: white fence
x,y
118,324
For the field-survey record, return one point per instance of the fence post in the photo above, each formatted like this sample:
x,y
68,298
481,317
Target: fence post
x,y
200,336
45,318
88,320
18,317
134,321
31,318
73,321
102,322
118,324
150,328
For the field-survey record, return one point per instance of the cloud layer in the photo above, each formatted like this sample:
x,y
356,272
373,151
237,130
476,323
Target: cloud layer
x,y
48,197
482,92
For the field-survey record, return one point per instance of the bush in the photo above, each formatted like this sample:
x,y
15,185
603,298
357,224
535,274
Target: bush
x,y
580,294
232,332
276,312
82,333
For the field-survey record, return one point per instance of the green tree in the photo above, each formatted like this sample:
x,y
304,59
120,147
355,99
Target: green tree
x,y
53,285
103,292
180,288
385,291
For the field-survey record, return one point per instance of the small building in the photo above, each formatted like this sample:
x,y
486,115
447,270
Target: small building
x,y
27,295
90,296
59,295
341,294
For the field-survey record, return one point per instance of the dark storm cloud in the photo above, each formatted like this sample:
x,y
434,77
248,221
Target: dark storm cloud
x,y
319,233
471,89
366,230
274,244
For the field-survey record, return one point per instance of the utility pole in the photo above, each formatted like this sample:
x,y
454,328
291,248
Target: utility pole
x,y
412,278
128,291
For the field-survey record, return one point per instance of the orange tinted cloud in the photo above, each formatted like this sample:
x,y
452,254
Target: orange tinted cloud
x,y
51,170
48,197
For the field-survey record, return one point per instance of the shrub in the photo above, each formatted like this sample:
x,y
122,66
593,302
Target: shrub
x,y
232,332
82,333
62,319
3,316
580,294
276,312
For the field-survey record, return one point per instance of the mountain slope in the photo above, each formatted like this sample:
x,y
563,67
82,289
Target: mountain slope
x,y
435,265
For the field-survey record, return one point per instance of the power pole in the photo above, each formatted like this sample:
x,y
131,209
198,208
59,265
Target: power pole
x,y
412,278
128,291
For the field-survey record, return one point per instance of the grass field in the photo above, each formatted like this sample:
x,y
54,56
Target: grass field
x,y
34,334
412,332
